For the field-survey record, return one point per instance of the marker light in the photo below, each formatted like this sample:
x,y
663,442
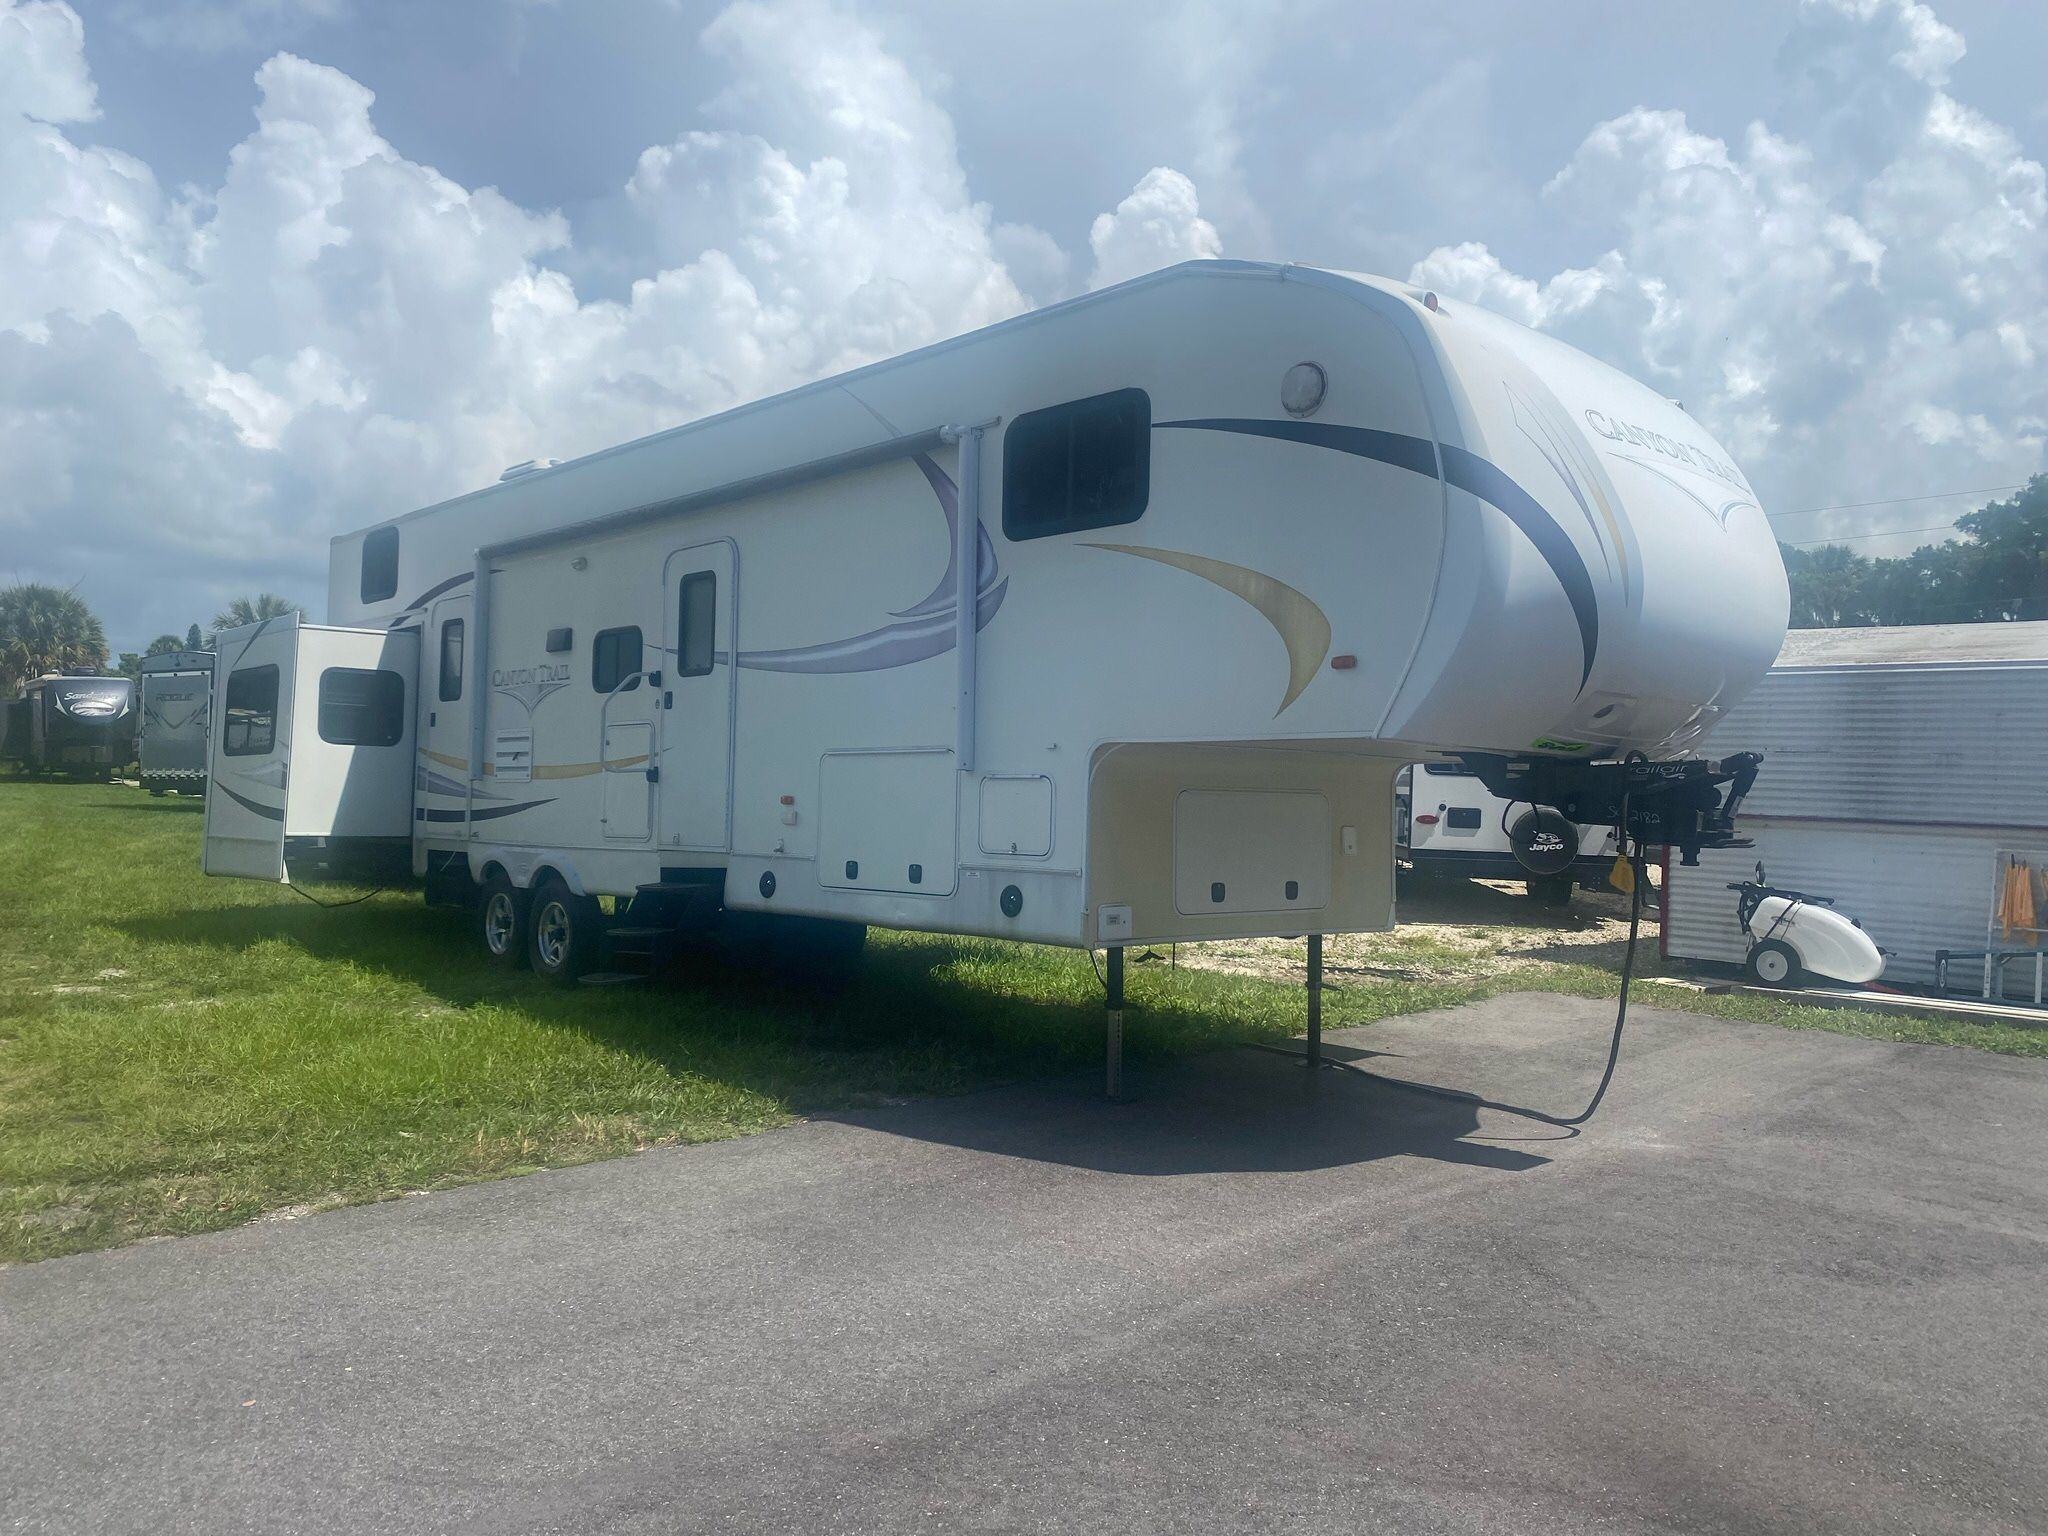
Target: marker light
x,y
1303,388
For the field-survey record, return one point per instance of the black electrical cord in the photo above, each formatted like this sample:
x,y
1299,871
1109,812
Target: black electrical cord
x,y
1563,1122
334,905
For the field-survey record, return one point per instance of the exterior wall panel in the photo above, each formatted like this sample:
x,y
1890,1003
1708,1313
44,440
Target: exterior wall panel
x,y
1947,744
1915,890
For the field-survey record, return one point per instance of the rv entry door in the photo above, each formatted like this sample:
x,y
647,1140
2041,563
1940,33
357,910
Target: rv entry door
x,y
698,680
444,701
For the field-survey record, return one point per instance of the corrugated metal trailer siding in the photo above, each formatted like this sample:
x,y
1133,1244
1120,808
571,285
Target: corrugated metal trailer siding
x,y
1959,743
1891,788
1914,889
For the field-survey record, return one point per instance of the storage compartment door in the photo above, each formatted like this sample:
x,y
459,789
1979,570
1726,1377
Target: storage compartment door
x,y
628,794
249,750
1238,850
888,821
353,742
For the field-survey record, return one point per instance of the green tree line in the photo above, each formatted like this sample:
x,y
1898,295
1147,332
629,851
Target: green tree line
x,y
51,629
1997,571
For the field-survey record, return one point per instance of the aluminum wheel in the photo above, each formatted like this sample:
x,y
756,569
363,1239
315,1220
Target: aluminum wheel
x,y
551,935
501,922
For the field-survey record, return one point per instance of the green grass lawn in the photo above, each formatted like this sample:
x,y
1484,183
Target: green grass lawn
x,y
179,1053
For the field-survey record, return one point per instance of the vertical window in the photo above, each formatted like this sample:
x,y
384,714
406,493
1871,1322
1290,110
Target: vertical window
x,y
251,725
380,565
1085,464
696,624
361,708
614,657
451,661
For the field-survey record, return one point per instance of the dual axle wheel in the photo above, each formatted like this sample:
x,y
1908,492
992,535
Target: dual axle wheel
x,y
561,936
550,928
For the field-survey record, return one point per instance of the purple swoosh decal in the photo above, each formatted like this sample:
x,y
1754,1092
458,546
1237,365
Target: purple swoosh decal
x,y
893,645
928,629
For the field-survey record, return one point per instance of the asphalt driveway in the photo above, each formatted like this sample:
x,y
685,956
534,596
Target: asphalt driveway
x,y
1785,1282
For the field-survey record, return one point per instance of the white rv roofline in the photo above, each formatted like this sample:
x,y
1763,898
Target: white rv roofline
x,y
1218,268
888,450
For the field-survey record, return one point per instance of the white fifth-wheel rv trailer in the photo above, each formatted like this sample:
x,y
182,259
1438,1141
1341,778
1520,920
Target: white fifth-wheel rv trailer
x,y
1109,624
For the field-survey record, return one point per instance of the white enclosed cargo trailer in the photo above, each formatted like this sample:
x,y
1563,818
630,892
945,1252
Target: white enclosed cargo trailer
x,y
1112,623
1904,763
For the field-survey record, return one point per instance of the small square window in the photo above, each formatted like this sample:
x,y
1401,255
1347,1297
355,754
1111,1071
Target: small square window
x,y
380,565
1084,464
250,727
614,657
360,707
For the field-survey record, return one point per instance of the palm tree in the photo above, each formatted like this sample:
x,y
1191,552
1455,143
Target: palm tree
x,y
268,605
46,629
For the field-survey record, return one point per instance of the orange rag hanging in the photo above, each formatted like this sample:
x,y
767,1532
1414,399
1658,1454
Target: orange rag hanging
x,y
2016,899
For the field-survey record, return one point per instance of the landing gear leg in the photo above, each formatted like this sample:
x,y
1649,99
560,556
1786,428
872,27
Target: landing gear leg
x,y
1113,1063
1313,1058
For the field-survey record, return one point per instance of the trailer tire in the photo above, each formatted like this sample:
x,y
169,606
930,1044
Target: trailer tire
x,y
502,912
564,933
1551,890
1773,963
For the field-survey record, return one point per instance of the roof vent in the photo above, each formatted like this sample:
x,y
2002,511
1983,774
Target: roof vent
x,y
528,467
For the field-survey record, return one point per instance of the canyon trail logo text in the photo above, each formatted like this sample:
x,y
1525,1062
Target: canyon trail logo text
x,y
529,685
1684,453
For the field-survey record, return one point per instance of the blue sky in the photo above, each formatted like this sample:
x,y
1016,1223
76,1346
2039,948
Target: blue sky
x,y
283,267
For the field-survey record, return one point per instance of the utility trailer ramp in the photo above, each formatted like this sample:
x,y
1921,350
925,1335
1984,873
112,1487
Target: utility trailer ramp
x,y
311,753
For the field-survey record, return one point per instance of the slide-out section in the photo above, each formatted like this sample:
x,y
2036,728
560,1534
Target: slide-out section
x,y
311,753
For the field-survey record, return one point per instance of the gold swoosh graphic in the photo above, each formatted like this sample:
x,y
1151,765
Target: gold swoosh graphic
x,y
545,770
1301,625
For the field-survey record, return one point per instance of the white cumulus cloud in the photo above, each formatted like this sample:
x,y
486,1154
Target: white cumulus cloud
x,y
1159,224
197,390
1853,296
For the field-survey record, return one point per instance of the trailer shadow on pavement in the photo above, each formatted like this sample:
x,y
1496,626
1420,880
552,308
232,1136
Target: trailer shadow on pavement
x,y
1235,1111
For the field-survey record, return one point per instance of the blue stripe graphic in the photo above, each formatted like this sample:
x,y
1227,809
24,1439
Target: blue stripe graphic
x,y
1464,470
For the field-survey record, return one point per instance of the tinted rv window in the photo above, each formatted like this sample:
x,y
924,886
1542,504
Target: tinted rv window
x,y
380,565
696,624
451,661
614,656
1085,464
251,726
361,708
